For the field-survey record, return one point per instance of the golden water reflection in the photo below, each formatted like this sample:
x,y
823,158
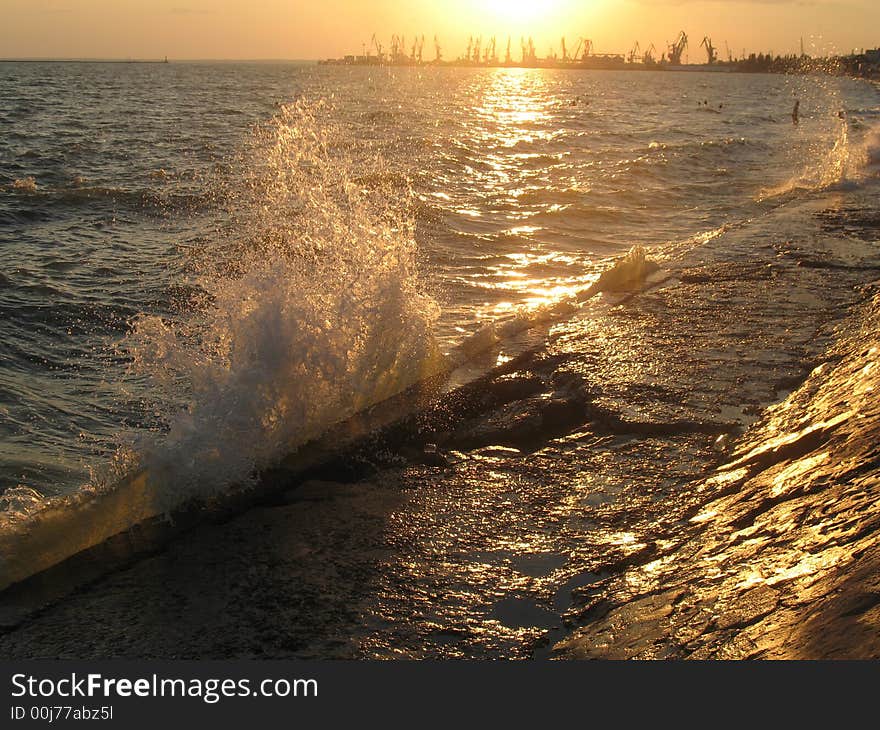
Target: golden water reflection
x,y
515,109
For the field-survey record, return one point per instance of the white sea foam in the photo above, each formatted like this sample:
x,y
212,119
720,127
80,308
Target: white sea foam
x,y
849,157
313,310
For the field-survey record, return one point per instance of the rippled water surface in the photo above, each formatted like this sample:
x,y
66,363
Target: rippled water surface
x,y
204,255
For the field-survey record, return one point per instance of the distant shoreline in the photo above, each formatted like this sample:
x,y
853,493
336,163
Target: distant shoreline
x,y
159,60
864,73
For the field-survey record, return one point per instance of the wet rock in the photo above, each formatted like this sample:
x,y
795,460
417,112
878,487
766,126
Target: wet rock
x,y
784,562
516,424
748,608
524,424
515,612
432,456
515,386
722,443
596,445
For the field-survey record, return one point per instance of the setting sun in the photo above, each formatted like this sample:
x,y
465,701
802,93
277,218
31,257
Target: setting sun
x,y
521,11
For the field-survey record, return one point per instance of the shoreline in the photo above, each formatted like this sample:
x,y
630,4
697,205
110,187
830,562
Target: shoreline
x,y
444,535
784,563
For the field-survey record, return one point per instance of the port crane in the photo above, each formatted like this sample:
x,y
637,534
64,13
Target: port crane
x,y
677,49
507,58
490,53
711,51
528,51
648,57
634,53
398,49
438,56
378,46
587,45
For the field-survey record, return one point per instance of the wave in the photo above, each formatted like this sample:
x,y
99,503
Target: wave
x,y
851,161
703,144
78,194
311,310
288,397
316,309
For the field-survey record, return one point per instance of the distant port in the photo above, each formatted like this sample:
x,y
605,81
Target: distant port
x,y
491,54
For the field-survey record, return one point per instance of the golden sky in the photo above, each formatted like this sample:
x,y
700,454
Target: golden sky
x,y
300,29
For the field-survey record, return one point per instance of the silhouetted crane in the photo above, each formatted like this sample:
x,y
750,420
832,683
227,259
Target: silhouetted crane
x,y
375,42
587,45
532,55
634,53
677,49
710,50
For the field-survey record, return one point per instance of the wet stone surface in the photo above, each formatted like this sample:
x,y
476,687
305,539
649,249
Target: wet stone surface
x,y
784,563
574,503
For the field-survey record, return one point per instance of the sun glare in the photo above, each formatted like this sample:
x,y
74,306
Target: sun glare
x,y
520,11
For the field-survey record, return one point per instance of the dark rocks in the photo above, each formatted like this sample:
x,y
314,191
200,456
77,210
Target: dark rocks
x,y
784,562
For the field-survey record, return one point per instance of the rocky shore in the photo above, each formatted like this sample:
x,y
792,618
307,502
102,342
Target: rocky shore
x,y
690,473
784,561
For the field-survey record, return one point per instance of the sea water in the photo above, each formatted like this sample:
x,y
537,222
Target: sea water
x,y
205,265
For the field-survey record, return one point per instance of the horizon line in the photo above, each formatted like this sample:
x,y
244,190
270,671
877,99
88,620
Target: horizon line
x,y
151,59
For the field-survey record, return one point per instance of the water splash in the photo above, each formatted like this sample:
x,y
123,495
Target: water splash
x,y
312,309
842,159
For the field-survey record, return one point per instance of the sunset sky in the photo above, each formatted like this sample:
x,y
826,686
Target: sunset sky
x,y
296,29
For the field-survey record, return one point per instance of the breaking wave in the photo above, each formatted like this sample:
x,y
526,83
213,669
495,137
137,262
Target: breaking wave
x,y
853,158
310,309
